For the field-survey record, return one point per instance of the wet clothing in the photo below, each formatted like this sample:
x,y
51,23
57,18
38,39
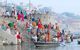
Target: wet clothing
x,y
18,36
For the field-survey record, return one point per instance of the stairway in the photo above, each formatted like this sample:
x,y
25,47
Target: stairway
x,y
0,40
9,38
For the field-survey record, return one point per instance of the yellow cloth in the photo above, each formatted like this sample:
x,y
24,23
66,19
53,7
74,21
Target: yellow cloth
x,y
16,17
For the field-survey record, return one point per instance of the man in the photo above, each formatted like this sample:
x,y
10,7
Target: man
x,y
7,14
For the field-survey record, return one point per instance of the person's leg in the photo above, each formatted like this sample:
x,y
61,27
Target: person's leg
x,y
20,41
22,19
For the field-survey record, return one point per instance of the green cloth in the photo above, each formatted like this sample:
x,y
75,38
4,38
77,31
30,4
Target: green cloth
x,y
11,24
3,27
18,24
24,12
36,22
28,30
19,8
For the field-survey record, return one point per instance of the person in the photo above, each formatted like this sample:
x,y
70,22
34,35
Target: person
x,y
34,37
3,27
71,37
43,37
22,16
57,27
11,24
19,16
25,17
48,36
13,12
58,35
15,25
63,32
33,19
49,26
18,36
38,36
62,38
7,14
62,35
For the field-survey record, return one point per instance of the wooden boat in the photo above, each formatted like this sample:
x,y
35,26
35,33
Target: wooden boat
x,y
78,41
46,44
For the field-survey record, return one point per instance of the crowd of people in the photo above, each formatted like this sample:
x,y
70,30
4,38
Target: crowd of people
x,y
31,25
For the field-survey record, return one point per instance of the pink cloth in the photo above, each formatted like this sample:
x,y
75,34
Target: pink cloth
x,y
22,16
49,26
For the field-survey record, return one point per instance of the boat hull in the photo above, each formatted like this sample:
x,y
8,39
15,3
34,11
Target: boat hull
x,y
78,42
46,44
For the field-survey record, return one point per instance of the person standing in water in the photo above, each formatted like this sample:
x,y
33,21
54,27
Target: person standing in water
x,y
18,36
62,35
71,37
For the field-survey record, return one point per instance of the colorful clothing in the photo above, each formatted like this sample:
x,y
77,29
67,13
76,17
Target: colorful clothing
x,y
19,16
22,16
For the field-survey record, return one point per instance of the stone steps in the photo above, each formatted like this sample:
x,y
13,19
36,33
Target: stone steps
x,y
1,42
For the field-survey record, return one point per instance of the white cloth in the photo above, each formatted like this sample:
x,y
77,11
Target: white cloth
x,y
8,30
7,13
35,38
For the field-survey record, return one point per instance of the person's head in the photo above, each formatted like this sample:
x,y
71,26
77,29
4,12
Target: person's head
x,y
51,27
21,12
19,32
62,30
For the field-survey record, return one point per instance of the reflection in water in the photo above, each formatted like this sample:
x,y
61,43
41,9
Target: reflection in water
x,y
18,47
23,47
8,47
69,46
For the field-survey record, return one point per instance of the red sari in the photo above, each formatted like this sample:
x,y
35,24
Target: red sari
x,y
22,16
19,16
58,35
18,36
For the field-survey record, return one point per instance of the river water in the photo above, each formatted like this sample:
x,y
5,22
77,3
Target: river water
x,y
24,46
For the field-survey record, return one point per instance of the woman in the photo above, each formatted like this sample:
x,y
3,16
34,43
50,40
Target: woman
x,y
19,16
58,35
48,37
22,16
